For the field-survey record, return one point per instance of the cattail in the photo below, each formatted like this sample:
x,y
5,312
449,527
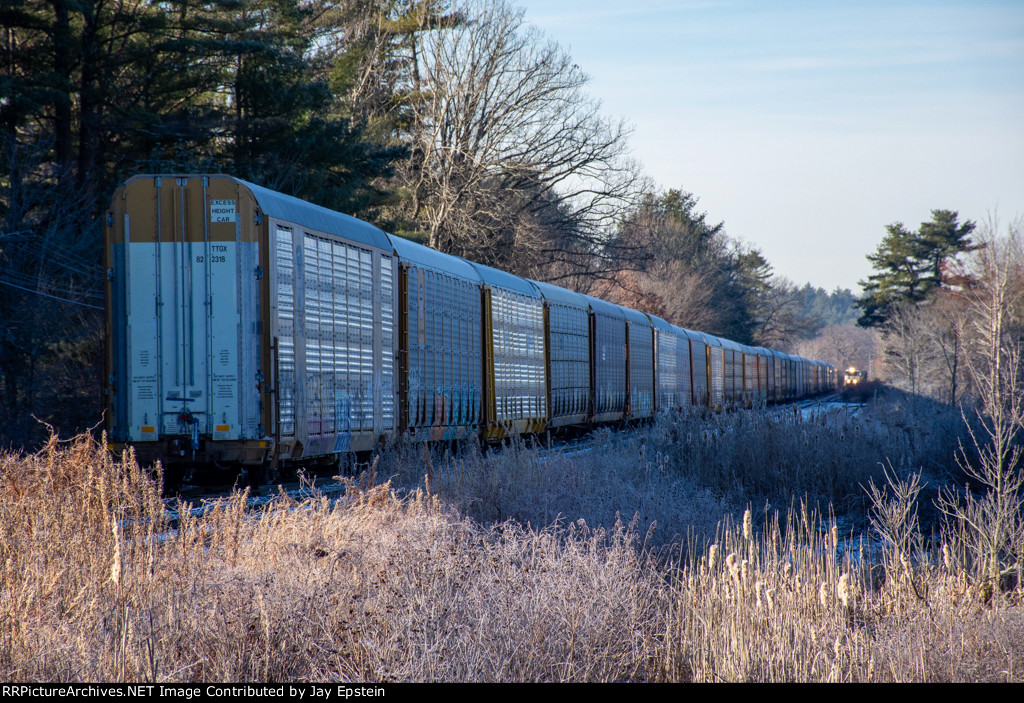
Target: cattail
x,y
743,571
747,531
823,594
730,562
713,555
843,590
947,559
835,536
115,568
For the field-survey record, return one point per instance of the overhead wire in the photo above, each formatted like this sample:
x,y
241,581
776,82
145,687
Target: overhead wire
x,y
50,295
64,259
27,279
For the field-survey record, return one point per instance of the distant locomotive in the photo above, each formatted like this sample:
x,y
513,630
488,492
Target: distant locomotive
x,y
246,327
854,377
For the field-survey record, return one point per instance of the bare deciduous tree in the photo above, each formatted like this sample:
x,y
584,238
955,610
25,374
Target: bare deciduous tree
x,y
894,519
780,317
946,333
505,138
924,345
844,346
906,345
992,524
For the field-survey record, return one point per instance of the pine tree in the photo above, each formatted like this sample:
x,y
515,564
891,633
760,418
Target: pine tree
x,y
909,266
941,240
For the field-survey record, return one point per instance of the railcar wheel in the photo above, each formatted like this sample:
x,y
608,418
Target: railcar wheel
x,y
254,476
174,478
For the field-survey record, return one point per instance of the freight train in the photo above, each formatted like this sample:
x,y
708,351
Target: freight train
x,y
250,328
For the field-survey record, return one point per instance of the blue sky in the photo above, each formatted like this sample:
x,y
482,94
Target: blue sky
x,y
809,126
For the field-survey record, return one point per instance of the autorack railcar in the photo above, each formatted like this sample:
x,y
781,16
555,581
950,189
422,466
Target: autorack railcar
x,y
567,355
439,351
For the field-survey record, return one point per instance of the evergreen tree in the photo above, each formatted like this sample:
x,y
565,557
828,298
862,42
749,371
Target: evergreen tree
x,y
898,278
680,266
92,92
941,241
284,130
910,265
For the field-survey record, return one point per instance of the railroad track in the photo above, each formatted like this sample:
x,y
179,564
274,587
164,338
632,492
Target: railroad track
x,y
199,500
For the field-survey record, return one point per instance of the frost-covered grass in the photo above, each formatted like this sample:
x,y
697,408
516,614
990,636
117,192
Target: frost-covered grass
x,y
684,472
619,563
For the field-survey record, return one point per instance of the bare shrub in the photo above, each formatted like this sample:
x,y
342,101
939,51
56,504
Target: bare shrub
x,y
823,453
894,520
684,471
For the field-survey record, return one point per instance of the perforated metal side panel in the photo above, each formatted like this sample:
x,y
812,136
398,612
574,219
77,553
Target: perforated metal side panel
x,y
570,361
518,338
699,370
609,361
333,311
641,370
683,369
444,372
716,366
668,374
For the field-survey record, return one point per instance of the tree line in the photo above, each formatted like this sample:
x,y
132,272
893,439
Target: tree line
x,y
693,274
454,123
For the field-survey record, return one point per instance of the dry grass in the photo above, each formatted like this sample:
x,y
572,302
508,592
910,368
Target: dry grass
x,y
618,477
797,604
682,473
827,456
95,585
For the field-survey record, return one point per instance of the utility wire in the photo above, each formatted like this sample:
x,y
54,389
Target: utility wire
x,y
63,259
16,277
48,295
